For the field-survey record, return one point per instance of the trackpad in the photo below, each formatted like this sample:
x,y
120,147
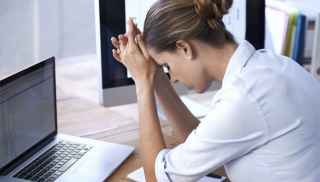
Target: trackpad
x,y
95,166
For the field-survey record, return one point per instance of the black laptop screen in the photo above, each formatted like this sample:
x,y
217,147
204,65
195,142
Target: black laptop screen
x,y
27,110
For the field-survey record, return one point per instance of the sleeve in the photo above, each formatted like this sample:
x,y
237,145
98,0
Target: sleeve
x,y
233,128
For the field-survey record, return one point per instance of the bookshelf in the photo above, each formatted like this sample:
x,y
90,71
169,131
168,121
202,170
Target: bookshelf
x,y
293,30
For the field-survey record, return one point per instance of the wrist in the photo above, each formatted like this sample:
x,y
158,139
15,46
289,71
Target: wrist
x,y
144,87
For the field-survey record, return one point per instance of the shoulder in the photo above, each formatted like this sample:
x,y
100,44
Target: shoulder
x,y
264,73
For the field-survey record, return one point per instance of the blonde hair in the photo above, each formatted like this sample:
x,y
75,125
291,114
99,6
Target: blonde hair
x,y
168,21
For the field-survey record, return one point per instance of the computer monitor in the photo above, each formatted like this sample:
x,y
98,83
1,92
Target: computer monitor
x,y
246,21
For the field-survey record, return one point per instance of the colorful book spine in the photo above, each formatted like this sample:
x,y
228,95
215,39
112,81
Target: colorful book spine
x,y
299,39
293,13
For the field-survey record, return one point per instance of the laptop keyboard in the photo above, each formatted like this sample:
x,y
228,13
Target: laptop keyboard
x,y
54,162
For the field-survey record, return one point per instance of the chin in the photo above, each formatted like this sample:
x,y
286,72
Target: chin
x,y
202,89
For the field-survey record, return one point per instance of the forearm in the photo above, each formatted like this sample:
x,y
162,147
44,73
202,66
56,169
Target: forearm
x,y
151,138
175,110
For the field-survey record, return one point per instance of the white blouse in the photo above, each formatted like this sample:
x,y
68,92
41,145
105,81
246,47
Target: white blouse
x,y
264,125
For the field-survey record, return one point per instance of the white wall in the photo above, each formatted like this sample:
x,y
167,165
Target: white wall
x,y
32,30
48,32
16,34
78,27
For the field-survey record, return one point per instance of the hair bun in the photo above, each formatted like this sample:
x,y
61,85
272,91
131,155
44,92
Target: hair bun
x,y
212,9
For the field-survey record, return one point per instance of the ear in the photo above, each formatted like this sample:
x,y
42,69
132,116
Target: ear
x,y
185,49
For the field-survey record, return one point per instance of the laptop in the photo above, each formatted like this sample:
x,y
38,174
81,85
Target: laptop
x,y
30,146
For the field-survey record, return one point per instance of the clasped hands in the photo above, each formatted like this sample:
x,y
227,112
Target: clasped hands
x,y
131,51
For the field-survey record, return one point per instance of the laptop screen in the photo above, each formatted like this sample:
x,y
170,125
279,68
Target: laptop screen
x,y
27,110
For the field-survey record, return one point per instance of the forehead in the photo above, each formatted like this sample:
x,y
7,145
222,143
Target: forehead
x,y
161,57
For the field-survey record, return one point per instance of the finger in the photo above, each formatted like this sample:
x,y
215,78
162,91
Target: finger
x,y
116,55
135,26
131,33
142,46
124,38
137,30
115,42
126,34
122,44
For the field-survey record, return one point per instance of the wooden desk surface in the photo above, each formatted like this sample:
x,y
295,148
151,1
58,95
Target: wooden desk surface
x,y
84,118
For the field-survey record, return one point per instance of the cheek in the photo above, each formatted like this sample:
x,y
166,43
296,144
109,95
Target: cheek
x,y
176,72
191,76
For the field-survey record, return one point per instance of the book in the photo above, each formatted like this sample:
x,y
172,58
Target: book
x,y
299,39
292,12
301,29
311,8
309,38
315,64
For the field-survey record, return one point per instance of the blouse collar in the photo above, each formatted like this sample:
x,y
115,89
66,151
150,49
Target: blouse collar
x,y
238,60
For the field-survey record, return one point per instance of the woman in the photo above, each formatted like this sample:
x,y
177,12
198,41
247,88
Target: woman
x,y
263,124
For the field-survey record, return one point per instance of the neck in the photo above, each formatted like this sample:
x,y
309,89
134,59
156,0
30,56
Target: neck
x,y
216,60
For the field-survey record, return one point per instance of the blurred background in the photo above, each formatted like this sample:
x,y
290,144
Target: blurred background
x,y
33,30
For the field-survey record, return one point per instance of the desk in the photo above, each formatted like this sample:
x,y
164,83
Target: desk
x,y
83,118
